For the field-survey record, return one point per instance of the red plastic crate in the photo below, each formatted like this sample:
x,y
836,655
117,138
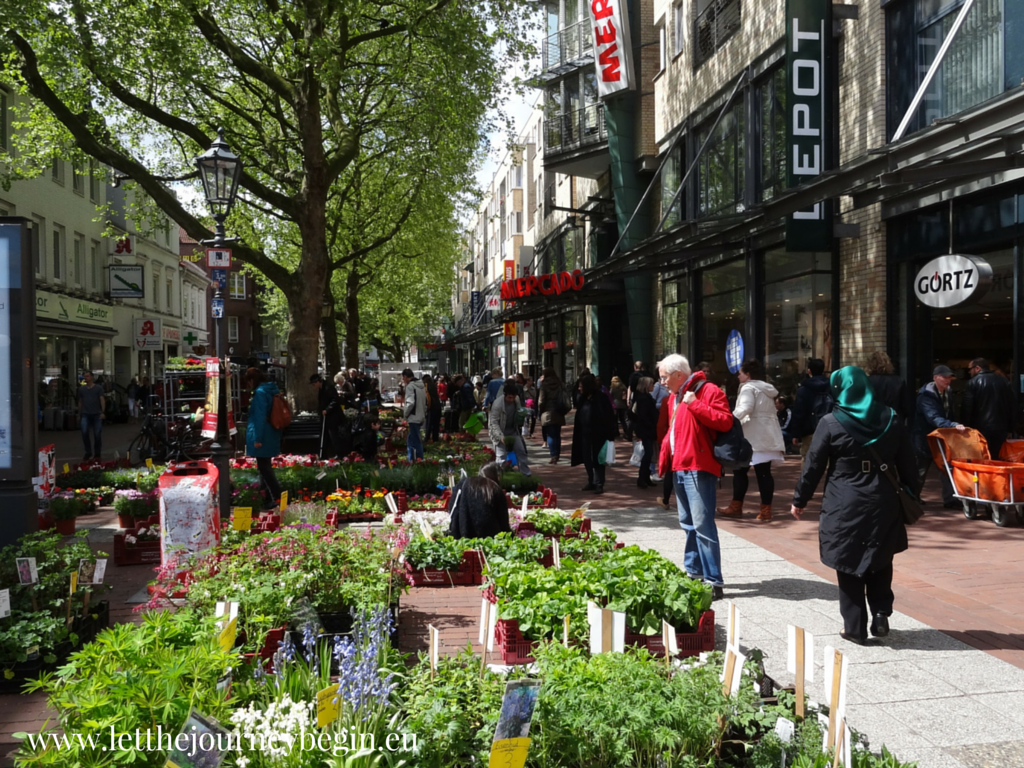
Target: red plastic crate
x,y
139,553
469,574
690,643
514,648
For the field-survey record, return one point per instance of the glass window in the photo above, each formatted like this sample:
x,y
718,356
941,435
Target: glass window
x,y
724,309
96,271
156,287
170,295
720,170
715,22
94,181
675,317
662,49
4,136
78,177
772,100
679,25
79,258
798,315
58,252
57,170
40,252
671,176
233,330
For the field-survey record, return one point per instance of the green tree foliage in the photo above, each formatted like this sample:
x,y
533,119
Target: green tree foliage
x,y
303,88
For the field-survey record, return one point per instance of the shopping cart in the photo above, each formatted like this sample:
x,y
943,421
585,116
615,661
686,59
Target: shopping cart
x,y
984,486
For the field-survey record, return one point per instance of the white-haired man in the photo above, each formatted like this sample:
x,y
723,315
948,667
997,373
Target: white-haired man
x,y
696,414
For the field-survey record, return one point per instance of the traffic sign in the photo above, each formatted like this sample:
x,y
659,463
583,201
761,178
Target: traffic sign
x,y
218,258
217,308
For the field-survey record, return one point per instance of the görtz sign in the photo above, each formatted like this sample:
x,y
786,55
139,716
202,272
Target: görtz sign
x,y
951,280
541,285
609,24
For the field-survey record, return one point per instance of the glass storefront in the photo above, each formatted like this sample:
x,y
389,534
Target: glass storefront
x,y
675,317
60,363
723,309
798,315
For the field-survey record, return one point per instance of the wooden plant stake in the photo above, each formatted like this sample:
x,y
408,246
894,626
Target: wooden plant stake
x,y
435,641
565,631
733,627
485,638
836,664
839,743
800,663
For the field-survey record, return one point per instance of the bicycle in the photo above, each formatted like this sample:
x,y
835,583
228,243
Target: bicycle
x,y
163,442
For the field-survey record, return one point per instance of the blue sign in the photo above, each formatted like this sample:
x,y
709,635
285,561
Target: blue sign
x,y
734,351
220,276
217,308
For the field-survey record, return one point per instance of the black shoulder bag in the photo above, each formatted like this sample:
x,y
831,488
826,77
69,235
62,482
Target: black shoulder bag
x,y
911,506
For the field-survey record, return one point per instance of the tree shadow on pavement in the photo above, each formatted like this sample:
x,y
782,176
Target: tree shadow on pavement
x,y
784,589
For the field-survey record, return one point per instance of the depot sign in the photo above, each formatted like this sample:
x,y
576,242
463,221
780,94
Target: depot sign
x,y
541,285
951,280
609,24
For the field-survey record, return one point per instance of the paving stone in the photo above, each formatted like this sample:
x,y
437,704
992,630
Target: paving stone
x,y
899,681
934,757
1002,755
976,674
954,721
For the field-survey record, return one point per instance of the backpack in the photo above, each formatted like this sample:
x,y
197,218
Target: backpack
x,y
280,413
820,406
732,450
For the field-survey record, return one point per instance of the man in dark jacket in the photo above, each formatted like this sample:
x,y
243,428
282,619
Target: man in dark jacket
x,y
934,411
813,400
466,400
988,405
334,423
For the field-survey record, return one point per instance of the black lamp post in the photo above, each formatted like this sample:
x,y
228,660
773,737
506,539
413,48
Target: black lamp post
x,y
219,170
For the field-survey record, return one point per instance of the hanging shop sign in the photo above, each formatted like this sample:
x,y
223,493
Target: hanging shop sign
x,y
126,281
52,306
734,351
122,246
147,334
809,56
609,26
510,269
951,280
509,329
542,285
550,345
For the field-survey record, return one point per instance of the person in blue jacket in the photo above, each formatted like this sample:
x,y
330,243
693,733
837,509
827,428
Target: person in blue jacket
x,y
934,411
262,441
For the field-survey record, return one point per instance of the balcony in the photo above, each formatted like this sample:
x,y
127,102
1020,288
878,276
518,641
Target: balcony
x,y
567,50
576,143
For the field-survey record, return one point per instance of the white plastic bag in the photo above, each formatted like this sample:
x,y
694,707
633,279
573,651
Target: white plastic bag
x,y
638,454
607,454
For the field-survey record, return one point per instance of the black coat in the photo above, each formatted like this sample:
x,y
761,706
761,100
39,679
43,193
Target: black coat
x,y
988,404
893,391
933,412
861,525
329,401
645,416
595,423
478,508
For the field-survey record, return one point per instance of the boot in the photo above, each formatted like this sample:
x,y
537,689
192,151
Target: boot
x,y
765,515
735,509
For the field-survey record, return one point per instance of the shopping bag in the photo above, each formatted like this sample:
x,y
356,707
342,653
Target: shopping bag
x,y
606,455
638,454
474,424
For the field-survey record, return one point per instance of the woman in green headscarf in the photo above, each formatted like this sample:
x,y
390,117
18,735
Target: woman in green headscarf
x,y
861,524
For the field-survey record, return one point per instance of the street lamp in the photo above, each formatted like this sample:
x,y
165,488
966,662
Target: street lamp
x,y
219,170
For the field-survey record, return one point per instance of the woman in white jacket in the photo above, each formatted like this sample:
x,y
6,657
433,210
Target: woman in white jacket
x,y
755,410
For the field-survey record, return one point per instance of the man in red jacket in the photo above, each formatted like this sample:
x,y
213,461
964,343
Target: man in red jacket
x,y
696,414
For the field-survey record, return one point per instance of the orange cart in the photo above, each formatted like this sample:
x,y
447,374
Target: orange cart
x,y
985,486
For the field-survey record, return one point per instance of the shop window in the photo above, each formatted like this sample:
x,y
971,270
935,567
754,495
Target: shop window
x,y
233,330
772,134
675,316
983,221
974,69
715,22
720,170
58,262
798,315
723,303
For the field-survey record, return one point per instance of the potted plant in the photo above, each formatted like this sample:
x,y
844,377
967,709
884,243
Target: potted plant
x,y
65,506
133,506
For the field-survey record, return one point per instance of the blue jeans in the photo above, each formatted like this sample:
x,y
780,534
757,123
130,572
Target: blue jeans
x,y
414,446
695,497
552,435
92,422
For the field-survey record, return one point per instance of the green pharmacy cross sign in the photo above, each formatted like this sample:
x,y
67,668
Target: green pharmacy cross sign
x,y
190,338
809,118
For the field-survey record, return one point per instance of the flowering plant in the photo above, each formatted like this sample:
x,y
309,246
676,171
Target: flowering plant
x,y
136,503
67,505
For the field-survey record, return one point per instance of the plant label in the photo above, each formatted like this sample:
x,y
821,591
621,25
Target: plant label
x,y
526,504
5,603
580,511
488,621
226,638
67,469
565,631
91,573
556,553
512,736
435,643
27,572
241,519
199,752
74,582
607,629
785,729
801,653
149,464
732,671
322,475
328,705
284,501
389,499
836,667
669,639
733,627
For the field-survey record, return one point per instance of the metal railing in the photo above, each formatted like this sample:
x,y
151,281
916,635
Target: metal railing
x,y
575,129
713,26
567,45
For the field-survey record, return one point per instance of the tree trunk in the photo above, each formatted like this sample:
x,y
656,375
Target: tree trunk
x,y
332,345
305,296
352,320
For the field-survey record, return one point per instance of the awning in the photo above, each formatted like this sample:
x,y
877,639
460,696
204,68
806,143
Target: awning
x,y
74,329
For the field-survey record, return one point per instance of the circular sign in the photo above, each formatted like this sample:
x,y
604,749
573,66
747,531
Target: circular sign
x,y
734,351
951,280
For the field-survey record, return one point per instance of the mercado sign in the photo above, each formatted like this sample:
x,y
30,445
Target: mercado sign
x,y
951,280
609,25
809,56
542,285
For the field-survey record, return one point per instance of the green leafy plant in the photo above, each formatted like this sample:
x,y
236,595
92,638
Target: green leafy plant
x,y
443,553
66,505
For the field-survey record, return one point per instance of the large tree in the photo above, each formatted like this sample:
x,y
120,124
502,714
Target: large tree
x,y
300,87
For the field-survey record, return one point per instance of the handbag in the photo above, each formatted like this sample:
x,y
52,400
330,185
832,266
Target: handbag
x,y
910,504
